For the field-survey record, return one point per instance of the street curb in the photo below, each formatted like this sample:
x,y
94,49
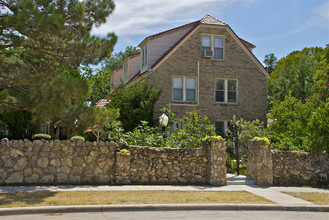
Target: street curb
x,y
159,207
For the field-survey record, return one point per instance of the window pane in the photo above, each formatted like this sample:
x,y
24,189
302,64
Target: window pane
x,y
190,83
220,128
218,42
178,94
190,94
220,96
220,84
231,96
178,82
206,41
218,53
231,85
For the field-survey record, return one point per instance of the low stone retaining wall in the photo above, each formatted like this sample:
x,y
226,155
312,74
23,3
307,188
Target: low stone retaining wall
x,y
300,168
289,168
77,162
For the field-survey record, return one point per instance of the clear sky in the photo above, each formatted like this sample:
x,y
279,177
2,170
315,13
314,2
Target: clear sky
x,y
274,26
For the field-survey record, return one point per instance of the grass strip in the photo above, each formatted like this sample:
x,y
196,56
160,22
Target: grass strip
x,y
314,197
126,197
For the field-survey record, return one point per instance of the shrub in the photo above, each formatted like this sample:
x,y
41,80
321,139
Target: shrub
x,y
77,138
125,151
208,139
41,136
265,139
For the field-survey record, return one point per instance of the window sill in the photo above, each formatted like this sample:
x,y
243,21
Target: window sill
x,y
209,58
184,102
226,103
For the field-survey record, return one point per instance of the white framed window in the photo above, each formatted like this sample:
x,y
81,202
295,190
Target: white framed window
x,y
226,91
144,55
184,89
212,46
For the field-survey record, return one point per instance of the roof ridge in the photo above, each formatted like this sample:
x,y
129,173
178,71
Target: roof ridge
x,y
208,19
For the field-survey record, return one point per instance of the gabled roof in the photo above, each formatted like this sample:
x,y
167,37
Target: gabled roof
x,y
207,20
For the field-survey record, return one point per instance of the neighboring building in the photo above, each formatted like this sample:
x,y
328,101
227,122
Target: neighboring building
x,y
204,66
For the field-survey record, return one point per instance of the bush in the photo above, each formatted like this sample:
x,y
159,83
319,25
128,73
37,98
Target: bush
x,y
41,136
77,138
265,139
195,132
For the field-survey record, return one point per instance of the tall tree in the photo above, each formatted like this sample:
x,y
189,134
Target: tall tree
x,y
295,75
270,62
299,92
42,44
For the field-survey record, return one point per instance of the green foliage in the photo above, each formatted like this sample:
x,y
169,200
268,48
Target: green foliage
x,y
207,139
136,104
41,136
265,139
295,75
42,44
195,132
195,129
16,122
125,151
289,130
78,138
319,128
270,62
144,135
115,131
300,107
246,131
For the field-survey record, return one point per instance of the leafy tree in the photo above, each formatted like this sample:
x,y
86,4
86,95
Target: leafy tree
x,y
42,44
295,75
15,122
136,104
300,108
270,62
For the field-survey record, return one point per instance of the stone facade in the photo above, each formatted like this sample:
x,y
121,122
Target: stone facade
x,y
300,168
260,165
237,64
77,162
287,168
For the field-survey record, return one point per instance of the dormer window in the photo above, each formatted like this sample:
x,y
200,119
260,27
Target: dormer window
x,y
144,55
212,47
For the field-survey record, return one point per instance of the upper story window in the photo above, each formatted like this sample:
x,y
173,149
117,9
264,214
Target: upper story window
x,y
144,55
212,46
226,91
184,89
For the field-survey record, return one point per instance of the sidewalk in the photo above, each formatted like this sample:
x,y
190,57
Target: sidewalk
x,y
283,201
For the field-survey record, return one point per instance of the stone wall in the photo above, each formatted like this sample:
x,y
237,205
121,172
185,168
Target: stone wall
x,y
300,168
288,168
77,162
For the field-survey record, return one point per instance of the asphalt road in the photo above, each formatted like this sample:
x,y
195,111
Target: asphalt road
x,y
159,215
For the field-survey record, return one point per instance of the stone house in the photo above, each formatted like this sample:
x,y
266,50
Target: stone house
x,y
203,66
